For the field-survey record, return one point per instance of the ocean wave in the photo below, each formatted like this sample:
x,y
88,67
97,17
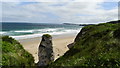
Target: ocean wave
x,y
51,33
48,29
24,31
2,32
38,30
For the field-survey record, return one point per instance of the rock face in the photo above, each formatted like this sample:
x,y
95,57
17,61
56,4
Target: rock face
x,y
70,45
45,51
79,35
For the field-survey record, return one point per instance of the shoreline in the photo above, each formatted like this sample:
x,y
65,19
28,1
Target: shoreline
x,y
60,43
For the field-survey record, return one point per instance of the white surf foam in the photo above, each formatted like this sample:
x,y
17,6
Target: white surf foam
x,y
51,33
24,31
2,32
39,30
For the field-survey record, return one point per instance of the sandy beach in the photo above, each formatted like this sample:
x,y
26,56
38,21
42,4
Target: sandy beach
x,y
59,45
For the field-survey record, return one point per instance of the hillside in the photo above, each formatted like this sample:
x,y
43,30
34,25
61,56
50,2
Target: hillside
x,y
13,54
95,46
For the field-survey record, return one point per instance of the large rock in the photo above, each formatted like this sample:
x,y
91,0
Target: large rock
x,y
45,51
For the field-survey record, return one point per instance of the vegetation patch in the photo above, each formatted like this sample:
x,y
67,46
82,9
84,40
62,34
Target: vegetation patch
x,y
47,35
13,54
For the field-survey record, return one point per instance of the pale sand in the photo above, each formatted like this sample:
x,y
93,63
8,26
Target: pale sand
x,y
59,45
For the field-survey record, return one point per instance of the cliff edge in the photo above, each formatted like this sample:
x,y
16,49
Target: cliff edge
x,y
94,46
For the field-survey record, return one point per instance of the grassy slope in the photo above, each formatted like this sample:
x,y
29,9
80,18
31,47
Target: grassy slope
x,y
98,45
13,54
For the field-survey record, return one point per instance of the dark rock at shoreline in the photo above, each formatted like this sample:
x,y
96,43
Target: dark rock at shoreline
x,y
85,24
70,24
45,51
70,45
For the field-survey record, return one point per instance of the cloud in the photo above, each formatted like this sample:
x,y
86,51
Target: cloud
x,y
59,0
58,12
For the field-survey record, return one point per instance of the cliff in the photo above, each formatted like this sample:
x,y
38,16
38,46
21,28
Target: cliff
x,y
94,46
13,54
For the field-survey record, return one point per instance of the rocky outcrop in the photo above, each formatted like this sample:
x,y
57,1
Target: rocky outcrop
x,y
79,35
82,33
45,51
70,45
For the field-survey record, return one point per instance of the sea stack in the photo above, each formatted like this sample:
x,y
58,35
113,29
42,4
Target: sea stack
x,y
45,50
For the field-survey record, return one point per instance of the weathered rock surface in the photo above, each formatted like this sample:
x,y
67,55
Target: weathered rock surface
x,y
79,35
45,51
70,45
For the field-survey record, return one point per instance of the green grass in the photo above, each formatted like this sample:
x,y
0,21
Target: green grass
x,y
98,46
47,35
13,54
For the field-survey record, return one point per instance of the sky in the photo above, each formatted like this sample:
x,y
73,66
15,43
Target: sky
x,y
59,11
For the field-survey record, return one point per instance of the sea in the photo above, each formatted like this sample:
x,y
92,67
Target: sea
x,y
30,30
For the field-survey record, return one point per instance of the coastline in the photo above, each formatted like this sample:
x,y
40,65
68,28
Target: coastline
x,y
60,43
